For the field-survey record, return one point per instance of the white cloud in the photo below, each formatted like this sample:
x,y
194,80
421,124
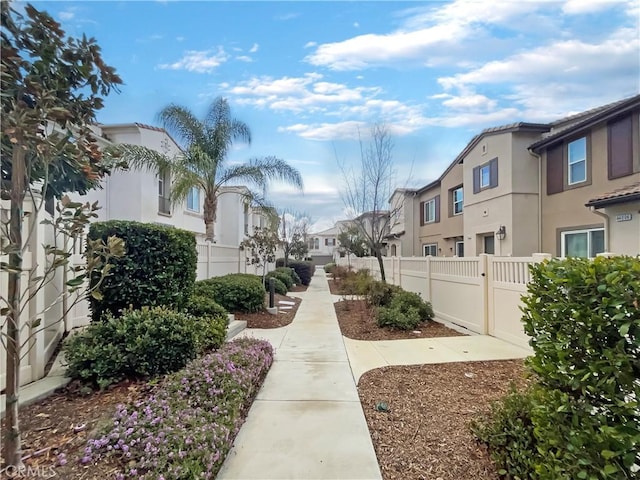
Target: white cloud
x,y
286,16
179,39
327,131
244,58
476,119
254,48
199,61
310,44
356,25
471,101
66,15
573,7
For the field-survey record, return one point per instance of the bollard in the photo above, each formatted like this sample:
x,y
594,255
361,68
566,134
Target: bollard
x,y
272,291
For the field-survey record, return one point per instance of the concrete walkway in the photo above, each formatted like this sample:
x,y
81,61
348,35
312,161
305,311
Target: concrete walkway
x,y
306,422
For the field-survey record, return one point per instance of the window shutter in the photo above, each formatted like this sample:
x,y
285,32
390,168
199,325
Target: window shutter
x,y
476,179
493,169
421,213
437,208
326,242
620,148
555,181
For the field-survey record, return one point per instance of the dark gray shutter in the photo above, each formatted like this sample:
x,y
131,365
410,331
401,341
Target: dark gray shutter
x,y
476,179
437,208
493,169
555,181
421,213
620,148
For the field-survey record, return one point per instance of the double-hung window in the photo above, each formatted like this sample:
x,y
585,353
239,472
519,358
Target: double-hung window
x,y
193,199
430,211
577,161
457,198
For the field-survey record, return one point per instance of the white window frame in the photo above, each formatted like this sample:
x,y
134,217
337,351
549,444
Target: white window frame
x,y
486,168
430,207
194,194
430,246
571,162
460,201
587,231
457,247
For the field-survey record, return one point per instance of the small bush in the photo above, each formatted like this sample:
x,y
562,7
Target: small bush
x,y
508,433
290,271
304,270
404,299
379,294
405,319
278,286
186,426
284,278
329,267
158,269
356,283
340,273
236,292
213,320
140,343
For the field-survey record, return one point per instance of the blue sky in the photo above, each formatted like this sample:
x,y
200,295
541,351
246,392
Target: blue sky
x,y
306,76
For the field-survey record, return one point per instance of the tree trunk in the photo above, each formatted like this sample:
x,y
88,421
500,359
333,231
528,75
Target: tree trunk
x,y
12,445
209,214
381,265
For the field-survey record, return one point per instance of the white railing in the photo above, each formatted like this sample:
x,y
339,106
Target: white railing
x,y
481,293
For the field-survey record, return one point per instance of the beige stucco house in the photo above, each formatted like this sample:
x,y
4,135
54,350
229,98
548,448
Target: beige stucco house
x,y
583,158
568,188
400,240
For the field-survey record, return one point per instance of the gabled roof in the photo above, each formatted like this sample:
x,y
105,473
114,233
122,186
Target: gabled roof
x,y
626,194
586,120
329,231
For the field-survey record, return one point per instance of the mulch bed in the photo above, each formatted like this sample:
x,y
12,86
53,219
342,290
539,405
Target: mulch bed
x,y
357,321
425,433
264,319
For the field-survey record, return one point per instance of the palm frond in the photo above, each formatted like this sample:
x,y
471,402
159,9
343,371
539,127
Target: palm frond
x,y
244,173
181,123
274,168
141,158
182,185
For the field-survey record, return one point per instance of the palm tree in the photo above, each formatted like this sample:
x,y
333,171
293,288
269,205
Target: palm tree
x,y
202,164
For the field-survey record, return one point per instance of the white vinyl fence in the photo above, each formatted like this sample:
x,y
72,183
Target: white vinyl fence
x,y
482,294
50,302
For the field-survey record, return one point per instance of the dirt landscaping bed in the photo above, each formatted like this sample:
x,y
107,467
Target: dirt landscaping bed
x,y
264,319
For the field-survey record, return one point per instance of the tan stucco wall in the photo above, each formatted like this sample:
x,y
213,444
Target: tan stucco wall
x,y
566,210
513,203
624,237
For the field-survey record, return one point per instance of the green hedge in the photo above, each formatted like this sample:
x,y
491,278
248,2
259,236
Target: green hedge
x,y
139,343
236,292
291,272
406,311
213,318
304,270
584,321
159,267
283,277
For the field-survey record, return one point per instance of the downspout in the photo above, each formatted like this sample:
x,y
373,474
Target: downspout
x,y
539,157
606,226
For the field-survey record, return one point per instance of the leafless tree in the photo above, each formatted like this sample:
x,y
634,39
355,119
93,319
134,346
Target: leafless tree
x,y
294,228
367,189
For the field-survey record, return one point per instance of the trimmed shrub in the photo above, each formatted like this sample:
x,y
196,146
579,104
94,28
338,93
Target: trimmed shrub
x,y
285,278
329,267
584,321
140,343
405,311
508,432
158,269
379,294
236,292
278,286
304,270
213,319
356,283
186,426
290,271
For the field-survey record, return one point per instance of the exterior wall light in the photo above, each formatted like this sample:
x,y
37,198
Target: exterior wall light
x,y
501,233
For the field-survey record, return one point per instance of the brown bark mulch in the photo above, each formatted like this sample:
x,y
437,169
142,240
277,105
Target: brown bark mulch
x,y
425,433
264,319
357,321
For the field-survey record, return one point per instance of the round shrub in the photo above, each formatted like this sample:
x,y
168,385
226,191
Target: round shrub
x,y
328,268
140,343
212,319
404,300
236,292
379,294
283,277
278,286
292,273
